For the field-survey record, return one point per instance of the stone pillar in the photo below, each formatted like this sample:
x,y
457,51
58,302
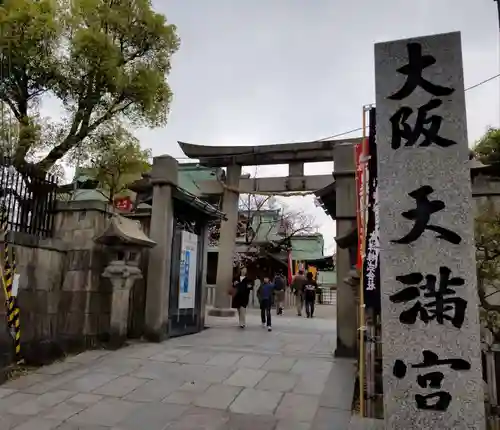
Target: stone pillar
x,y
344,174
227,243
346,300
163,178
122,277
204,252
429,183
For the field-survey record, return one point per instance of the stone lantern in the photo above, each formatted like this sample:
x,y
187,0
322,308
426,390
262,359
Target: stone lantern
x,y
125,240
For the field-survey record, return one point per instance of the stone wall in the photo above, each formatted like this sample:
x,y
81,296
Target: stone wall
x,y
85,298
65,303
41,264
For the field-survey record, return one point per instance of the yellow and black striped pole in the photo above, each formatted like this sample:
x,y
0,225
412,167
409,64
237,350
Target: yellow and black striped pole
x,y
8,272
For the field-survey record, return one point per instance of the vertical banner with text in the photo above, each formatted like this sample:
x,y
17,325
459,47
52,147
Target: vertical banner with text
x,y
359,152
371,252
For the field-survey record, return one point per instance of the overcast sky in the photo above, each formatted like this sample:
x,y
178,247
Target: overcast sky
x,y
271,71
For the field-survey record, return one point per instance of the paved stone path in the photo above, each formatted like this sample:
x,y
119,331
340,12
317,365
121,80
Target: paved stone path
x,y
221,379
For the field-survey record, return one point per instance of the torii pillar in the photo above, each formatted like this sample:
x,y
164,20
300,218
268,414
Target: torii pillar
x,y
345,216
227,243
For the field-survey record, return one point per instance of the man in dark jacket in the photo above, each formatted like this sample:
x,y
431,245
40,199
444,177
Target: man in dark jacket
x,y
241,297
310,287
265,294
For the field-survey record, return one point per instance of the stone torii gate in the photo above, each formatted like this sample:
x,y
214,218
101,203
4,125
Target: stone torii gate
x,y
336,191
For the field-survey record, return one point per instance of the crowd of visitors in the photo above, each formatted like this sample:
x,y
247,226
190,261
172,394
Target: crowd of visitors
x,y
271,292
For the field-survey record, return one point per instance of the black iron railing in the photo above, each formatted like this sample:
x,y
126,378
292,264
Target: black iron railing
x,y
29,199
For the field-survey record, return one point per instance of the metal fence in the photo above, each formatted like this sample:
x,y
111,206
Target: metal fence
x,y
328,296
28,200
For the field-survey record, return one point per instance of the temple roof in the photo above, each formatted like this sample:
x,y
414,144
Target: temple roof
x,y
323,263
124,231
185,197
196,203
221,156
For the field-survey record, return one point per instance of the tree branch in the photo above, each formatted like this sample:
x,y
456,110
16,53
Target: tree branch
x,y
72,140
12,107
482,297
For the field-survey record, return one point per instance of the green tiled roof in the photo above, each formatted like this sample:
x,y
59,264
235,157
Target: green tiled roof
x,y
307,247
327,278
192,173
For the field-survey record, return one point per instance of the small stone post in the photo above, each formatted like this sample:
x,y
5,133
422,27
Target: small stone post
x,y
122,276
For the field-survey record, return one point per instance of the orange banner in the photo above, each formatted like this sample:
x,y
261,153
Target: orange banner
x,y
359,152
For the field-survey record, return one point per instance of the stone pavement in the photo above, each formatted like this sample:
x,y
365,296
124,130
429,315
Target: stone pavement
x,y
221,379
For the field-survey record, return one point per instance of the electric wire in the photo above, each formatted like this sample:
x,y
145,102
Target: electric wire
x,y
306,193
322,139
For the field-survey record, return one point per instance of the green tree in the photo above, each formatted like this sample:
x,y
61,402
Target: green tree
x,y
117,160
487,149
104,60
44,133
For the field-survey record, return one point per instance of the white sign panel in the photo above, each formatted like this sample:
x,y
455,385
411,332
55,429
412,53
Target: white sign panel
x,y
187,275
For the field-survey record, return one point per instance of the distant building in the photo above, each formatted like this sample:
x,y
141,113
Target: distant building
x,y
259,242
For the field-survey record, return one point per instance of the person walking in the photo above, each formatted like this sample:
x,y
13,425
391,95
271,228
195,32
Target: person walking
x,y
298,283
265,295
310,294
241,297
279,288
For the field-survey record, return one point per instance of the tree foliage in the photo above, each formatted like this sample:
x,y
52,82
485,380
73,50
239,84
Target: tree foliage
x,y
487,236
487,149
103,60
117,159
44,132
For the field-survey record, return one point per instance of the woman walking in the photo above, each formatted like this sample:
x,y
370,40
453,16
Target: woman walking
x,y
241,296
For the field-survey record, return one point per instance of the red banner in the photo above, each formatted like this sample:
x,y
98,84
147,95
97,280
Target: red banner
x,y
359,152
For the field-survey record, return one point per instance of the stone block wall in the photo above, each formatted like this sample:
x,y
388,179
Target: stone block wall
x,y
40,264
65,303
85,304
